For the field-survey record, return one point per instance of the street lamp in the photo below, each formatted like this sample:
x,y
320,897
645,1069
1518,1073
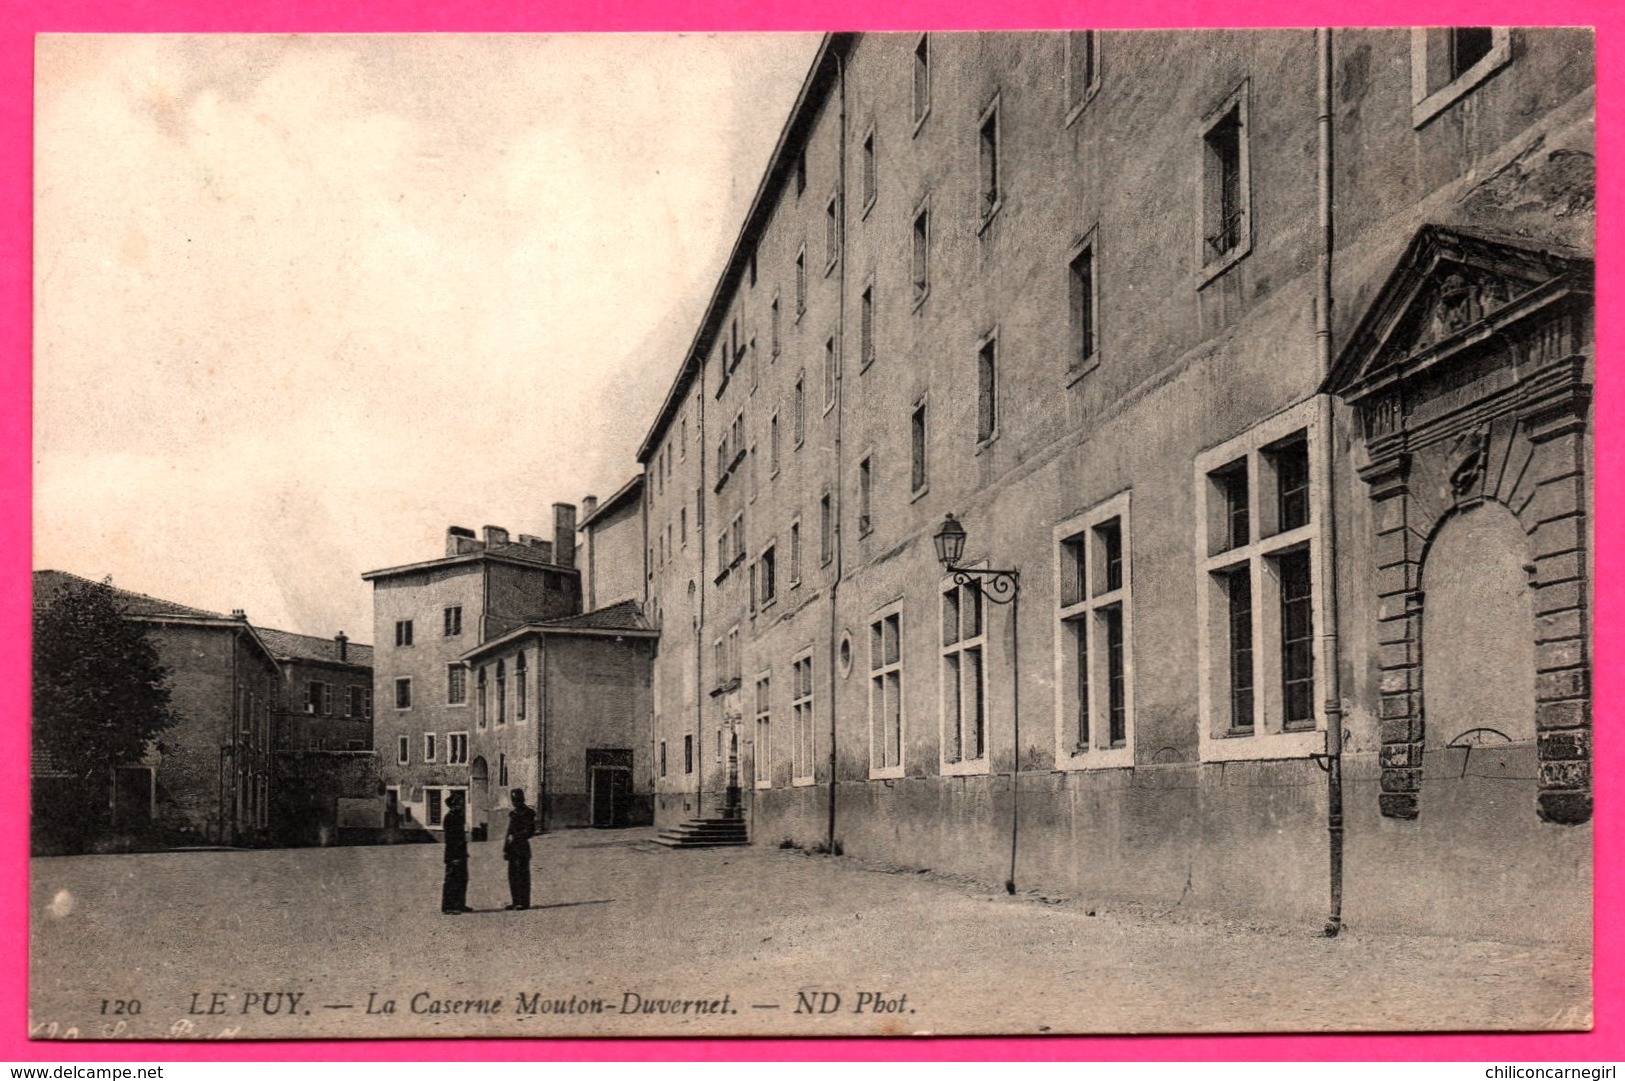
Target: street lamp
x,y
1000,587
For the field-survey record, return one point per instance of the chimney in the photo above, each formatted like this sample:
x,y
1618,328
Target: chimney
x,y
495,536
344,646
564,534
589,506
459,540
239,614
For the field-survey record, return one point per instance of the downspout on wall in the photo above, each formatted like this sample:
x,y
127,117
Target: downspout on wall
x,y
835,489
1332,660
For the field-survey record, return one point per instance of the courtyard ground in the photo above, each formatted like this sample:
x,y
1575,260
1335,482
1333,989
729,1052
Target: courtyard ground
x,y
631,939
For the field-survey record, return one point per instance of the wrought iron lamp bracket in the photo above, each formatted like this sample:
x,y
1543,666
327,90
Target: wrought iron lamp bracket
x,y
999,587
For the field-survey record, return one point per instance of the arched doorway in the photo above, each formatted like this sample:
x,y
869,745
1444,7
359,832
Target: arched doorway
x,y
1478,637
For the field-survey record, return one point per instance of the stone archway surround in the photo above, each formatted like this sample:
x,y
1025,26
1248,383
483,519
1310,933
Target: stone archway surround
x,y
1528,455
1469,377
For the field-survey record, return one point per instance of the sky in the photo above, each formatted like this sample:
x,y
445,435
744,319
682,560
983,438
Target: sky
x,y
302,303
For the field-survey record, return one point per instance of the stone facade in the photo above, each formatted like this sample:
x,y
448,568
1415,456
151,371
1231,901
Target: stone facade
x,y
425,617
1030,281
561,710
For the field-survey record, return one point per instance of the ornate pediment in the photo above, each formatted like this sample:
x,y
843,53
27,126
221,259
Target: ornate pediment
x,y
1451,290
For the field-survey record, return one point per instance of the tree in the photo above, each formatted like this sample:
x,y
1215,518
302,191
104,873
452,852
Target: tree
x,y
101,697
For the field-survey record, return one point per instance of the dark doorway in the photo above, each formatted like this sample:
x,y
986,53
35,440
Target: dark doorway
x,y
609,787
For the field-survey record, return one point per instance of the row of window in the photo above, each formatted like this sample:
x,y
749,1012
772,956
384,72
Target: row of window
x,y
455,747
452,624
1447,63
491,691
319,700
1258,613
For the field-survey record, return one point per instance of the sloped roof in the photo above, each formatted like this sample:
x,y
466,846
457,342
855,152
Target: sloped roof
x,y
307,647
616,619
513,552
625,616
48,583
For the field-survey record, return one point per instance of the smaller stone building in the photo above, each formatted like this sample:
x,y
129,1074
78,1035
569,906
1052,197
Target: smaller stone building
x,y
562,709
326,701
211,782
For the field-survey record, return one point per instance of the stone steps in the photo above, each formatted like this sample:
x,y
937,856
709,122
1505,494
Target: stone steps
x,y
704,833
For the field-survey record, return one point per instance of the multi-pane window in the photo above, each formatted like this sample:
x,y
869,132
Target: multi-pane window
x,y
403,693
922,77
964,710
1238,590
366,703
1082,68
483,694
355,704
868,171
801,281
886,696
1449,62
987,389
832,370
1084,304
521,688
795,552
403,750
456,685
736,539
865,495
502,692
798,410
434,801
688,754
801,720
1094,722
832,232
1258,610
403,632
766,579
920,262
826,529
987,156
429,746
1229,506
866,326
1297,640
454,621
734,657
318,699
457,748
918,475
764,735
1226,230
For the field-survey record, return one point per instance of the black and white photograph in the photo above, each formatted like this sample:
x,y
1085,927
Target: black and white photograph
x,y
940,533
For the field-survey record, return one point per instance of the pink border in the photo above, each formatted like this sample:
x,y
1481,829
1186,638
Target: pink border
x,y
21,19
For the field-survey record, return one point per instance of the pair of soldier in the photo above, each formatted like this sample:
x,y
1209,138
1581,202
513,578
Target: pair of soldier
x,y
515,849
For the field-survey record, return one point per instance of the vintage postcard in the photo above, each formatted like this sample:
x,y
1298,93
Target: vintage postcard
x,y
994,533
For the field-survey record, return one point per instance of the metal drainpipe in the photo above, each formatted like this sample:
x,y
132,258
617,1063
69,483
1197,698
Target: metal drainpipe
x,y
1015,711
701,448
835,489
1333,705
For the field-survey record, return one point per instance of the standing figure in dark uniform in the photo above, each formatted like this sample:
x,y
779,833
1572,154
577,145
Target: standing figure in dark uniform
x,y
454,895
516,849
